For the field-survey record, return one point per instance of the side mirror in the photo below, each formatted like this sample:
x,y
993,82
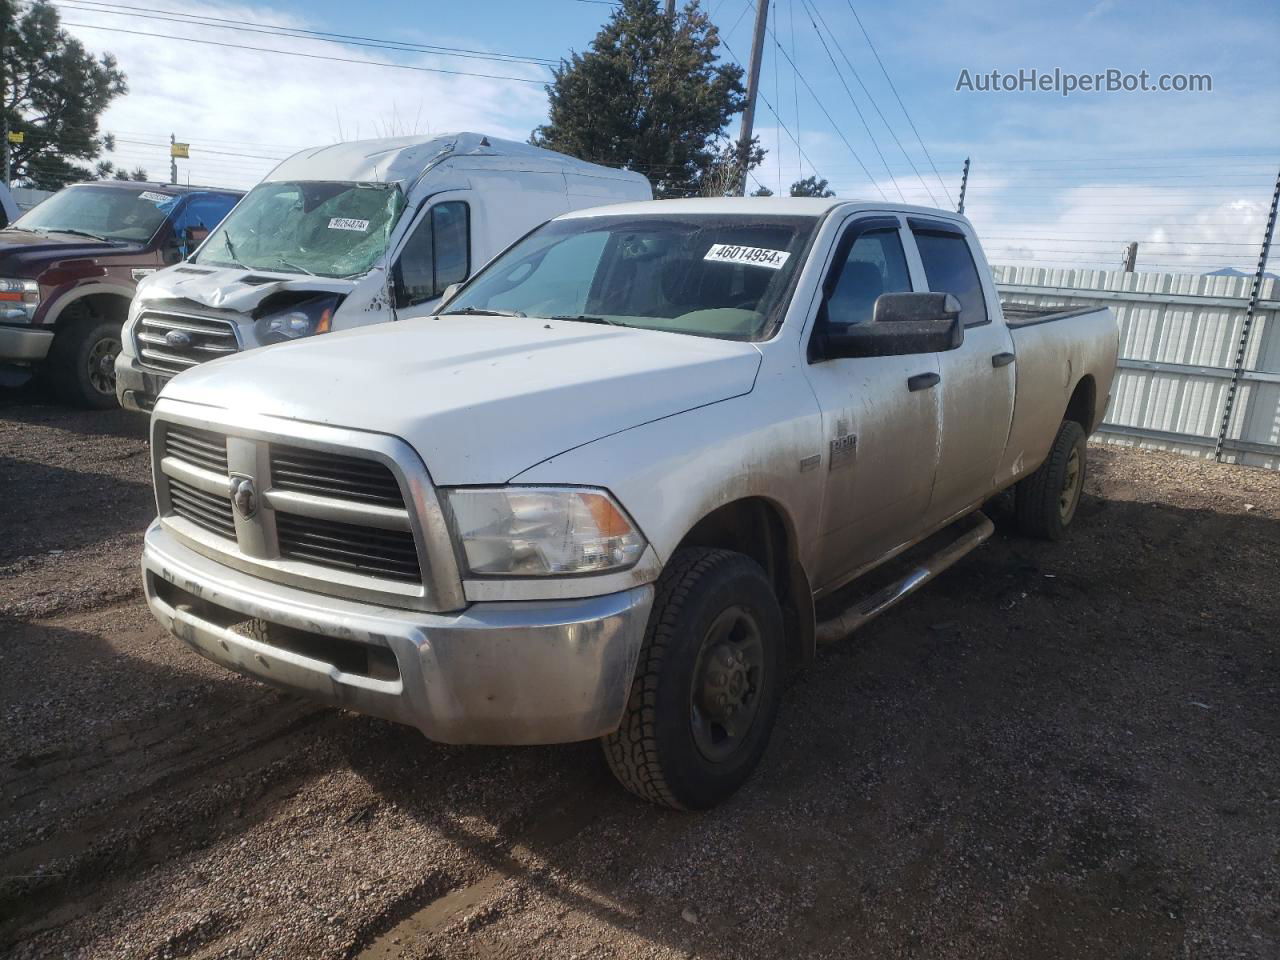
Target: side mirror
x,y
449,291
901,324
195,236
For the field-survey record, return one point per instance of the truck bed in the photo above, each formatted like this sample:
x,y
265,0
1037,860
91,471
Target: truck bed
x,y
1025,314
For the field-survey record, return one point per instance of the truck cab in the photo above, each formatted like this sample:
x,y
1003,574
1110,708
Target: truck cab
x,y
348,235
69,268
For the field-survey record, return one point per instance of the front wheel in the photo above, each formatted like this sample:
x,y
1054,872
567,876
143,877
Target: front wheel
x,y
705,695
1046,501
82,362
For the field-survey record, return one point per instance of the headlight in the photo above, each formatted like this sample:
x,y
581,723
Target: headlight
x,y
19,299
298,320
542,531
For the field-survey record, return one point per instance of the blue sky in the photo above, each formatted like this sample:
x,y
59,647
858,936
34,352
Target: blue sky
x,y
1188,175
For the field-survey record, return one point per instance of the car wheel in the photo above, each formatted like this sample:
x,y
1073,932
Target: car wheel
x,y
705,694
82,363
1045,502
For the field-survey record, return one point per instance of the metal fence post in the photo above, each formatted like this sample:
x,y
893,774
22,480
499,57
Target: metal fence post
x,y
964,183
1243,345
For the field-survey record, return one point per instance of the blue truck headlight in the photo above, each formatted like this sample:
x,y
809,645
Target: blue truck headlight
x,y
302,319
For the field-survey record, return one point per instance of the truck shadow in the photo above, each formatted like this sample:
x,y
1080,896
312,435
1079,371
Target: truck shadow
x,y
35,403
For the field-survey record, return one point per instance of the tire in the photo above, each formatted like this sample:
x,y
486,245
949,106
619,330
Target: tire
x,y
715,634
82,363
1045,503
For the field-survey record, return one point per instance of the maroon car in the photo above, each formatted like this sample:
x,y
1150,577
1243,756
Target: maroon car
x,y
68,269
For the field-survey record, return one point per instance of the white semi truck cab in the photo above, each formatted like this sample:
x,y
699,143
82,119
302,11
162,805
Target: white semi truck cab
x,y
349,235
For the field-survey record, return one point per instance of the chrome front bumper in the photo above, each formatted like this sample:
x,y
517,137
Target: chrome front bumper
x,y
24,344
136,388
495,673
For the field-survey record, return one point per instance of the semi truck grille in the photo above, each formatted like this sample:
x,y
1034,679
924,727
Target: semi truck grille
x,y
331,475
205,510
172,342
379,553
332,511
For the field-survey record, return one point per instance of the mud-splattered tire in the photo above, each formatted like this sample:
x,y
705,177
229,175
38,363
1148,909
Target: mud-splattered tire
x,y
82,362
1046,501
705,694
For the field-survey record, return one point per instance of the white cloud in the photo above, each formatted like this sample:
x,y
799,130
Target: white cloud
x,y
242,110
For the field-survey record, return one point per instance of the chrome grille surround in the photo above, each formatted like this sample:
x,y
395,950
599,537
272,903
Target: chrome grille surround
x,y
397,554
208,337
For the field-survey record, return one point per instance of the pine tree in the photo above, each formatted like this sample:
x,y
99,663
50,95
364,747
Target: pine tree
x,y
53,91
811,187
650,95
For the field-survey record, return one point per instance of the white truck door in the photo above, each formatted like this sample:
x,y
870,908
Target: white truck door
x,y
977,386
879,414
435,253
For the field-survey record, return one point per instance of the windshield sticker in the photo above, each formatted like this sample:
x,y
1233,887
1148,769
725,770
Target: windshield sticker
x,y
752,256
346,223
154,197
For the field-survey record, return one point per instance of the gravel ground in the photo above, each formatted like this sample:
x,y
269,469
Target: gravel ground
x,y
1056,750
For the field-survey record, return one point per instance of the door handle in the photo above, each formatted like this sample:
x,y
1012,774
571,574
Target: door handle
x,y
923,381
1002,359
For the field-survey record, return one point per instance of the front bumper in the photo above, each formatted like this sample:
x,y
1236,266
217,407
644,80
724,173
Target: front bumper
x,y
550,671
24,344
136,388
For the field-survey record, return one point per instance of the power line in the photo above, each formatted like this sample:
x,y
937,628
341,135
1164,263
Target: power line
x,y
307,56
222,23
905,112
856,108
875,106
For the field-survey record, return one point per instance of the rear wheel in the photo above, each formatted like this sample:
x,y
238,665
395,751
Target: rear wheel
x,y
705,694
82,362
1046,501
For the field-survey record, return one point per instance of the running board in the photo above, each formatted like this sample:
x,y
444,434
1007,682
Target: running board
x,y
840,626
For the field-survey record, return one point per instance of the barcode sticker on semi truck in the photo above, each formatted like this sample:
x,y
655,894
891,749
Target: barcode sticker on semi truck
x,y
753,256
346,223
154,197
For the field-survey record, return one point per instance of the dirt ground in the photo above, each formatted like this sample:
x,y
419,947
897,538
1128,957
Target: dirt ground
x,y
1056,750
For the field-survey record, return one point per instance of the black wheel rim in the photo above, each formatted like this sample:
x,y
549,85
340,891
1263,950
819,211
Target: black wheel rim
x,y
102,365
727,680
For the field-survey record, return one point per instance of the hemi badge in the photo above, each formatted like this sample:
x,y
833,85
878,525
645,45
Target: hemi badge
x,y
808,463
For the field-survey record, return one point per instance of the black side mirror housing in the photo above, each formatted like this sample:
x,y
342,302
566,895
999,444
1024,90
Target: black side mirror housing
x,y
902,324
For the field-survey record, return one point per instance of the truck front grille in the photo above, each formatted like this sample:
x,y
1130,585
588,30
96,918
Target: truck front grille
x,y
323,511
172,342
333,475
379,553
205,510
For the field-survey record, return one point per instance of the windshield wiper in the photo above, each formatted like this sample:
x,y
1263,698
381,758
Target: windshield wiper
x,y
231,250
293,266
80,233
587,318
478,312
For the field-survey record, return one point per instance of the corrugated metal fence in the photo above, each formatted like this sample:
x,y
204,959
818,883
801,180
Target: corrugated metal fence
x,y
1178,339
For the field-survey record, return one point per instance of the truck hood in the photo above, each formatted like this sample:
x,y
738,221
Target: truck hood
x,y
480,398
230,288
24,253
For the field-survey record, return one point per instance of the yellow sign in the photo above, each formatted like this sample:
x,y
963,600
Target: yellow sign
x,y
16,136
180,150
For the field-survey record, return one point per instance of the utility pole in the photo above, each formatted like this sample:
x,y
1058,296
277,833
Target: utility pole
x,y
4,77
173,160
1131,257
753,87
964,184
1242,347
671,9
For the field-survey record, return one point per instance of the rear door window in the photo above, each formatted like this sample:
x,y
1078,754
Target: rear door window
x,y
949,268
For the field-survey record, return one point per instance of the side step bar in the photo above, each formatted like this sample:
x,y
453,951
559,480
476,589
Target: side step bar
x,y
840,626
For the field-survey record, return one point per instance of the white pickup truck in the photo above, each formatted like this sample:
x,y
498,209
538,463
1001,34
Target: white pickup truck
x,y
347,235
605,491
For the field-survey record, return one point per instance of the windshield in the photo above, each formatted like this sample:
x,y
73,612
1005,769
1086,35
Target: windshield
x,y
106,213
324,228
706,275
